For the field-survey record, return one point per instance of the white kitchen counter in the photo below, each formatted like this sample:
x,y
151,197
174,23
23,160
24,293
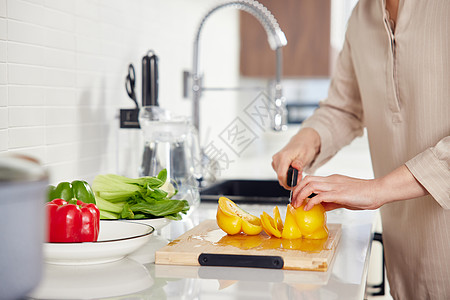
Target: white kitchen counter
x,y
137,277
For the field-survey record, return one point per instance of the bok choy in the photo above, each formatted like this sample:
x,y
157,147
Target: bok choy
x,y
120,197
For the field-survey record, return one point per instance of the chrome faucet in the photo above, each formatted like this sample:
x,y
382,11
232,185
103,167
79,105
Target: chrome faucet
x,y
276,39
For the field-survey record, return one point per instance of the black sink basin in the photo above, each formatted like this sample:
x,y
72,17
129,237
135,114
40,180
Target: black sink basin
x,y
247,191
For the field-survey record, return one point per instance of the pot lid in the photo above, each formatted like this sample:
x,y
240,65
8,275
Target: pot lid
x,y
20,168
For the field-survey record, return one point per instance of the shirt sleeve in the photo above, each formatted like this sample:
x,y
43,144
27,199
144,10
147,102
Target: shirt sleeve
x,y
339,118
432,169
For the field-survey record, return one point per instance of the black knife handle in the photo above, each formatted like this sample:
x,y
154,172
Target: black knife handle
x,y
150,79
236,260
292,172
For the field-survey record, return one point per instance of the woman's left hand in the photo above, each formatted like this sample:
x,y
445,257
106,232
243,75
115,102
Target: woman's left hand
x,y
337,191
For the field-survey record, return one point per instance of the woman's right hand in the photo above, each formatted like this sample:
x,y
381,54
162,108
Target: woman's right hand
x,y
299,153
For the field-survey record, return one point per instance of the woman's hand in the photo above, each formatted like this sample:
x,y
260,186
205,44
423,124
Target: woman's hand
x,y
301,150
338,191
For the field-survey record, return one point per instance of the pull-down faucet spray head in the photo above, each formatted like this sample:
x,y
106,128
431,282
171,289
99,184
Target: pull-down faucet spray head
x,y
276,39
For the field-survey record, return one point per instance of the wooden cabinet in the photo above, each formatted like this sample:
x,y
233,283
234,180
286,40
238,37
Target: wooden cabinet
x,y
306,24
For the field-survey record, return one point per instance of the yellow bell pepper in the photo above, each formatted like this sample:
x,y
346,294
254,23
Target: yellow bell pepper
x,y
312,223
233,220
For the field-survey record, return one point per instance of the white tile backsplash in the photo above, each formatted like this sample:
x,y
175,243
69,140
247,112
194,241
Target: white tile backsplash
x,y
3,73
3,139
22,137
25,32
20,116
3,8
25,11
59,20
21,53
3,29
67,6
63,65
60,58
3,47
3,118
61,97
26,95
3,95
60,77
26,75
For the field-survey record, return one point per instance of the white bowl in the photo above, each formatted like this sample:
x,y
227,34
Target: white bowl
x,y
115,241
156,223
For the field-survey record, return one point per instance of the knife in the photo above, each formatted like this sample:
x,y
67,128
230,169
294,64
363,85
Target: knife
x,y
292,176
150,79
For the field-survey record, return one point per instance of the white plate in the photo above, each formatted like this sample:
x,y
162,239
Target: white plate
x,y
157,223
115,241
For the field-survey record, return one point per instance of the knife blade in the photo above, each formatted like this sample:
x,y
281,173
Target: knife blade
x,y
292,176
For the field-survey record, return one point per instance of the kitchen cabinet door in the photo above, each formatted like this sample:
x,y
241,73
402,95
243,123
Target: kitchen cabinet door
x,y
306,24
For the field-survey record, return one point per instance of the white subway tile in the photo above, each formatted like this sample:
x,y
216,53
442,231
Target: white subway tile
x,y
88,28
26,74
59,39
60,78
23,95
26,137
61,97
87,9
26,116
92,132
62,171
3,47
59,153
25,54
3,73
89,165
60,134
93,148
3,8
86,80
40,2
3,29
4,118
3,95
60,58
59,20
25,12
87,62
3,139
67,6
26,33
61,115
89,45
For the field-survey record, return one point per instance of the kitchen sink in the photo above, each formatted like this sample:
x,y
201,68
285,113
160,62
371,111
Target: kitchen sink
x,y
246,191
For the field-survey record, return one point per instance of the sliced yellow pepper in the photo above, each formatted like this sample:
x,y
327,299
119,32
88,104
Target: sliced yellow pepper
x,y
290,230
233,220
269,225
277,219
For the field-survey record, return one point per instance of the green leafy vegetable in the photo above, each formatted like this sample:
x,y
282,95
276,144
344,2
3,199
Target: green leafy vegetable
x,y
145,197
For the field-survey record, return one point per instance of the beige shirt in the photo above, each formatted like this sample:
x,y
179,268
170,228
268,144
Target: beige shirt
x,y
398,87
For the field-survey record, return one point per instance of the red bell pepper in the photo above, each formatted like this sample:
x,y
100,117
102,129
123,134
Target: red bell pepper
x,y
72,221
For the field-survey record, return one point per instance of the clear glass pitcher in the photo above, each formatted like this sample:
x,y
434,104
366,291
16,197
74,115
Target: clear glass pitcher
x,y
171,142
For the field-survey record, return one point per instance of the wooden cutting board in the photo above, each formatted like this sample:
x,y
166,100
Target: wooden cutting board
x,y
207,238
